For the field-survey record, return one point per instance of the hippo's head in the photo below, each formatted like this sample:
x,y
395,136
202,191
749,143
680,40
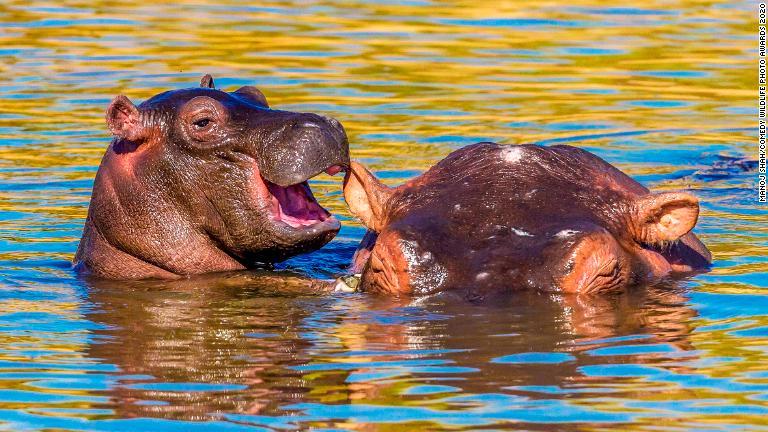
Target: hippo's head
x,y
199,180
490,218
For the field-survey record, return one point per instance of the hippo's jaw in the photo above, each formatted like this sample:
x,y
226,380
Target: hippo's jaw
x,y
266,223
686,255
300,147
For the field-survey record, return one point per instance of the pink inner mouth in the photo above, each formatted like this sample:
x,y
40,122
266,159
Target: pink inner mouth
x,y
295,205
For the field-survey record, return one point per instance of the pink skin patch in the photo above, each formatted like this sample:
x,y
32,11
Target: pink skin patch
x,y
295,206
333,170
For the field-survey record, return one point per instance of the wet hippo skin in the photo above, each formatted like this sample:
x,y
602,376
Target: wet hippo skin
x,y
491,219
201,180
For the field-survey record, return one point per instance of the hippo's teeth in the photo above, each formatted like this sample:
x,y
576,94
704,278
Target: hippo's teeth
x,y
295,206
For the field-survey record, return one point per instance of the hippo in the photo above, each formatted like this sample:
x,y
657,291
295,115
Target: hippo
x,y
201,180
491,219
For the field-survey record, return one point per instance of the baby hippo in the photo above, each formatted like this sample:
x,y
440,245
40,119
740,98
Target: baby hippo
x,y
492,219
200,180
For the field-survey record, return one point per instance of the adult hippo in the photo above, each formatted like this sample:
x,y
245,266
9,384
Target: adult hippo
x,y
200,180
491,219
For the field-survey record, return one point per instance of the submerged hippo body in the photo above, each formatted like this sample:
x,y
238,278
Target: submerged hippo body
x,y
490,219
200,180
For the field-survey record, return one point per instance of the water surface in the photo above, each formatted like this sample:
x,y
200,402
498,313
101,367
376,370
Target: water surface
x,y
661,89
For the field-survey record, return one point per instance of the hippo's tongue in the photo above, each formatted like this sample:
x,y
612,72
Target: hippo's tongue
x,y
295,205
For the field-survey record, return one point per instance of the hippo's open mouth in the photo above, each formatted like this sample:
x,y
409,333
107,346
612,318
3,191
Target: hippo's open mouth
x,y
683,256
296,206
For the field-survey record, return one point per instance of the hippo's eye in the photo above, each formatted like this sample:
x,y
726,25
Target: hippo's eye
x,y
202,123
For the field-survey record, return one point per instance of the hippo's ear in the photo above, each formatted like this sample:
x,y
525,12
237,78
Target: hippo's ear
x,y
124,119
207,82
666,216
366,196
253,94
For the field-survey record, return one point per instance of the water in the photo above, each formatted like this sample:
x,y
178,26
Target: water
x,y
662,89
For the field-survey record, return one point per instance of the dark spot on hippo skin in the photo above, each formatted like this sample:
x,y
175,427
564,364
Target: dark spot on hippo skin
x,y
122,146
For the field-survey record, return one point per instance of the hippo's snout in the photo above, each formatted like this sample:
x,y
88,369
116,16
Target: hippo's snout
x,y
303,146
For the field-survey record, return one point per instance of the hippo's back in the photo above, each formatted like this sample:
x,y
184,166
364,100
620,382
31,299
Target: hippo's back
x,y
517,182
